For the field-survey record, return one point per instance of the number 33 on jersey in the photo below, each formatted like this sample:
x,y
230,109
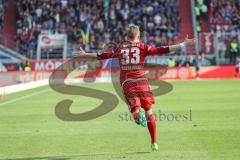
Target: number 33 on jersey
x,y
130,56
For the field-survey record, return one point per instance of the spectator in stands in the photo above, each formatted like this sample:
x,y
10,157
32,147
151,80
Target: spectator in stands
x,y
189,61
27,67
204,11
222,51
20,67
171,62
197,12
233,51
198,64
91,23
224,15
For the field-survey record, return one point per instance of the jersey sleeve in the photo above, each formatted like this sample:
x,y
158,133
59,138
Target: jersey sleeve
x,y
104,55
157,50
107,55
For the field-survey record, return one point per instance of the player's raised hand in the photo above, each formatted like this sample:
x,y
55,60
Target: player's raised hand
x,y
105,47
108,46
80,53
189,42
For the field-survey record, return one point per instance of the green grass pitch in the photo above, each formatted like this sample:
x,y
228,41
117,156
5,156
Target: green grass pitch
x,y
29,129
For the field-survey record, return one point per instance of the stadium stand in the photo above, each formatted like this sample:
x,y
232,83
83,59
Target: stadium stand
x,y
218,15
3,7
221,17
225,15
97,21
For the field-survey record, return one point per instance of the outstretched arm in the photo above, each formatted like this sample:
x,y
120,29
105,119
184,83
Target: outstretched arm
x,y
82,53
172,48
187,42
102,54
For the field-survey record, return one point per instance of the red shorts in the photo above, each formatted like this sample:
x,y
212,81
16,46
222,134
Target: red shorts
x,y
137,94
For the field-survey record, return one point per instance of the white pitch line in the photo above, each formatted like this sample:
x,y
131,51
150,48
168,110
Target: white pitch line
x,y
24,97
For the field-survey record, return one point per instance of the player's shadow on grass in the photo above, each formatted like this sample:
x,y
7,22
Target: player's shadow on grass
x,y
113,156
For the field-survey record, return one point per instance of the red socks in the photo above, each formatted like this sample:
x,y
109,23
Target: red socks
x,y
151,124
152,128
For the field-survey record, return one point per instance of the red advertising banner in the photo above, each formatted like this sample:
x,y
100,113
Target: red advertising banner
x,y
51,65
45,65
9,78
172,73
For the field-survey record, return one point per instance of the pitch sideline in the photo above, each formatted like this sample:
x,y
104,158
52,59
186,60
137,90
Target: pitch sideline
x,y
24,97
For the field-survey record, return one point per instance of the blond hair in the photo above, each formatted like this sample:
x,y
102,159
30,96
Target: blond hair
x,y
132,32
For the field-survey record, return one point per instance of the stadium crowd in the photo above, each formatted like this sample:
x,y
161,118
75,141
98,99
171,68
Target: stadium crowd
x,y
222,15
3,7
225,15
91,23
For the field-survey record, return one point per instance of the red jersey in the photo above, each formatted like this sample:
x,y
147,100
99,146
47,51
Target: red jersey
x,y
131,58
